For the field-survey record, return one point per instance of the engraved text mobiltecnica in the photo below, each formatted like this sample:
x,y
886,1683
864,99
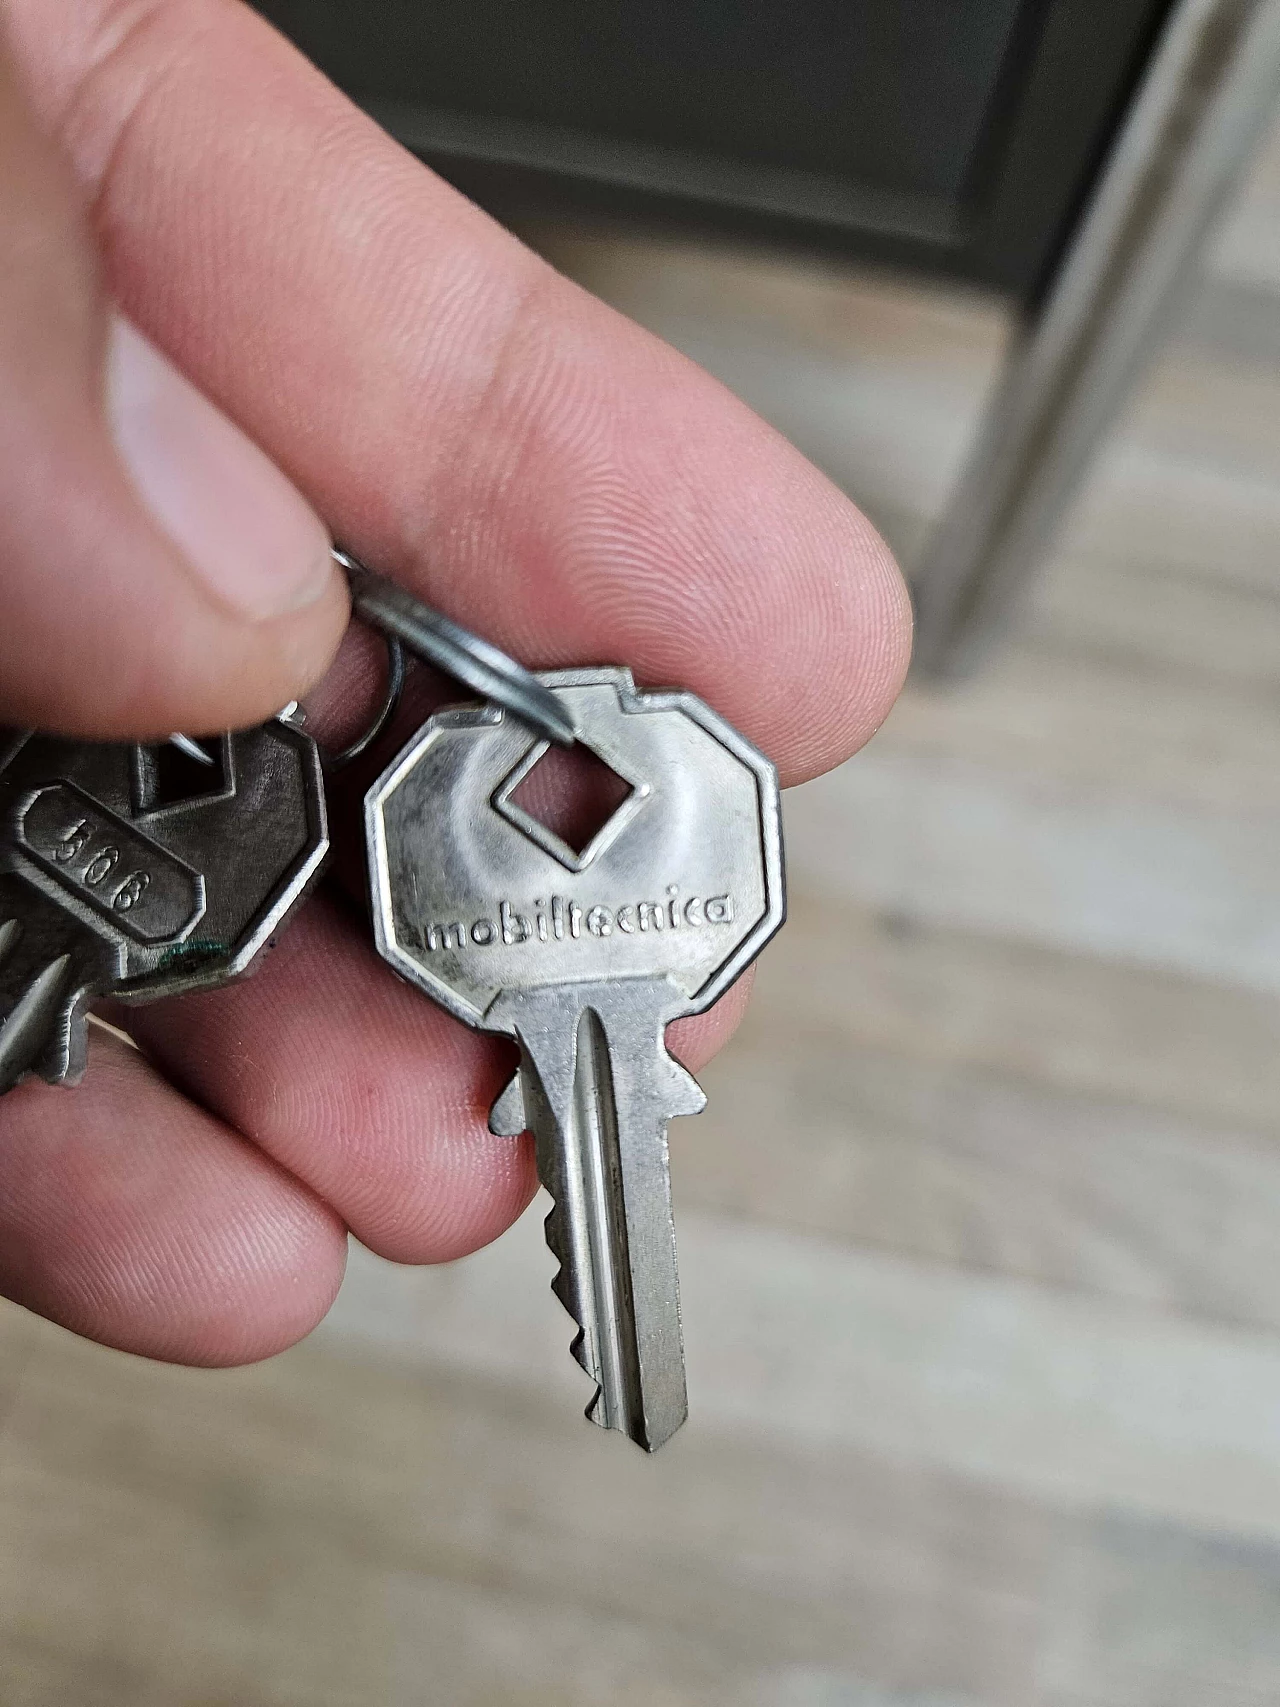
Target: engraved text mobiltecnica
x,y
559,919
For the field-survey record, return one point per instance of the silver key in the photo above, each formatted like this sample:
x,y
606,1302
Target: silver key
x,y
583,955
138,872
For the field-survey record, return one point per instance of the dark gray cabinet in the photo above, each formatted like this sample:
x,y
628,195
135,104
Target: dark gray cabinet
x,y
953,135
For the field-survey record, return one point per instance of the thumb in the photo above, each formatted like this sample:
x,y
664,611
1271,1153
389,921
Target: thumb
x,y
157,572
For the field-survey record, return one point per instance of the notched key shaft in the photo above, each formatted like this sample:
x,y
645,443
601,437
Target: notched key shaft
x,y
596,1087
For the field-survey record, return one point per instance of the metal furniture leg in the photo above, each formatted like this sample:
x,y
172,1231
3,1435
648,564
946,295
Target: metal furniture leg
x,y
1211,85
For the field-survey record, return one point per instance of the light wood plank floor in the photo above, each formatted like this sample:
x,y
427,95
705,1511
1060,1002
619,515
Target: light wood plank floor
x,y
980,1234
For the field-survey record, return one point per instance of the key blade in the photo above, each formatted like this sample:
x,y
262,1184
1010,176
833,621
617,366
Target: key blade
x,y
597,1088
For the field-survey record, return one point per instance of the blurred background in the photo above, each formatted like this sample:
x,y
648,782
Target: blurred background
x,y
980,1234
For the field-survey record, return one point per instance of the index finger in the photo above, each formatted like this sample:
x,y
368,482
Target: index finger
x,y
468,419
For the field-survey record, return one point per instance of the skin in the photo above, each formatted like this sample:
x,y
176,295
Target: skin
x,y
468,421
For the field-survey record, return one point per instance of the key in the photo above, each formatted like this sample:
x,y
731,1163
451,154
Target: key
x,y
138,872
583,949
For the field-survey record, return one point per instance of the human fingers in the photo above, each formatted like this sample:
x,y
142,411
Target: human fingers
x,y
362,1089
130,1216
465,417
133,1216
348,1078
158,571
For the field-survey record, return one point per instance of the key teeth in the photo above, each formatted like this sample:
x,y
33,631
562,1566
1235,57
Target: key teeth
x,y
72,1060
561,1287
578,1345
560,1280
685,1095
507,1117
593,1409
46,1030
681,1095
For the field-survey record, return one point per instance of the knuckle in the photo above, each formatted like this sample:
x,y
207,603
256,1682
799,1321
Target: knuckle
x,y
125,54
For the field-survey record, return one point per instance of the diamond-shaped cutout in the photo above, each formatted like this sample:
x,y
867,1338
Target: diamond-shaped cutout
x,y
570,800
168,776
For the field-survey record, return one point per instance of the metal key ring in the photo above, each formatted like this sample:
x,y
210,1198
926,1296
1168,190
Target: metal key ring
x,y
293,713
438,640
386,711
404,620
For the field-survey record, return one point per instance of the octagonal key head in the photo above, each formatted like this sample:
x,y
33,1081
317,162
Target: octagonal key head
x,y
474,896
583,947
131,871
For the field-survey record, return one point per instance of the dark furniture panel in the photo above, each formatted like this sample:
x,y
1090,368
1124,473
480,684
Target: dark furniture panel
x,y
950,134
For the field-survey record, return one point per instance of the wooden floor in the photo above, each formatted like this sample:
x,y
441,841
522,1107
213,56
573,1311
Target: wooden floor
x,y
980,1235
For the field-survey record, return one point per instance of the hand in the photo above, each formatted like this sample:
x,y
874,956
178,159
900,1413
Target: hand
x,y
343,336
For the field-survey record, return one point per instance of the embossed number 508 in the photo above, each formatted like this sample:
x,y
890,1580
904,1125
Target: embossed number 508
x,y
72,842
130,891
100,867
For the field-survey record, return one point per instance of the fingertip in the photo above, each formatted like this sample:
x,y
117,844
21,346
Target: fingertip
x,y
841,613
254,544
159,570
865,650
285,1273
266,606
484,1185
132,1217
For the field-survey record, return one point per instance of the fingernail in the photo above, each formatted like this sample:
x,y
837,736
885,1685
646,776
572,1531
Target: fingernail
x,y
252,538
